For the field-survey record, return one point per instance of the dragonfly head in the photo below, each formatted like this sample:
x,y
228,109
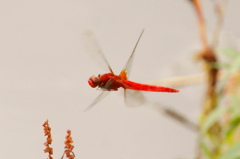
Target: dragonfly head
x,y
93,81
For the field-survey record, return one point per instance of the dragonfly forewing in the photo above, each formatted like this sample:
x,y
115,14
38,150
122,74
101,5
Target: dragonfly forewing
x,y
93,48
127,68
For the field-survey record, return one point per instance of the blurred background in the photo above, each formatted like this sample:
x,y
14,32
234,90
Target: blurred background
x,y
45,68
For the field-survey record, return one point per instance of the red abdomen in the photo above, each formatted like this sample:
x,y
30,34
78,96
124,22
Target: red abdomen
x,y
146,87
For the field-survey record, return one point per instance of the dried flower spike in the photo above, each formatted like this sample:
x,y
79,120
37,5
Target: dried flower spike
x,y
47,132
68,146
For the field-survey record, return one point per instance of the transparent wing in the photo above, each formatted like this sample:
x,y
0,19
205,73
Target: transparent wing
x,y
134,98
126,69
98,99
93,48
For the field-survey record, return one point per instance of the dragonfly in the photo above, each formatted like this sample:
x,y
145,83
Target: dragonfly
x,y
111,82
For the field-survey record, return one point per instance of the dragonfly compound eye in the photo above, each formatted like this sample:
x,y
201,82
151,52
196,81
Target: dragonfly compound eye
x,y
93,81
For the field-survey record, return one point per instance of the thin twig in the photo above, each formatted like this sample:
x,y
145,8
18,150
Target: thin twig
x,y
181,80
184,81
220,10
201,22
173,114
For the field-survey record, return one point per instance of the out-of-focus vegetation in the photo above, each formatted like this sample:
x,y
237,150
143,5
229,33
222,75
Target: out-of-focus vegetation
x,y
220,130
219,136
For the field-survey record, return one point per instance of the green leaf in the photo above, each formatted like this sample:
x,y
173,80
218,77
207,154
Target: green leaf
x,y
229,52
213,117
232,153
235,65
206,150
234,106
220,65
232,127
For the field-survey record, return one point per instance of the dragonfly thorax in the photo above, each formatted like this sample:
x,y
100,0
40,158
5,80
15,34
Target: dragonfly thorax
x,y
93,81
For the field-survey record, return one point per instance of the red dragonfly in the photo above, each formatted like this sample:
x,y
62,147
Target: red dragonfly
x,y
111,82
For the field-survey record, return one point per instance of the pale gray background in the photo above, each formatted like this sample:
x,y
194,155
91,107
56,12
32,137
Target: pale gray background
x,y
44,71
